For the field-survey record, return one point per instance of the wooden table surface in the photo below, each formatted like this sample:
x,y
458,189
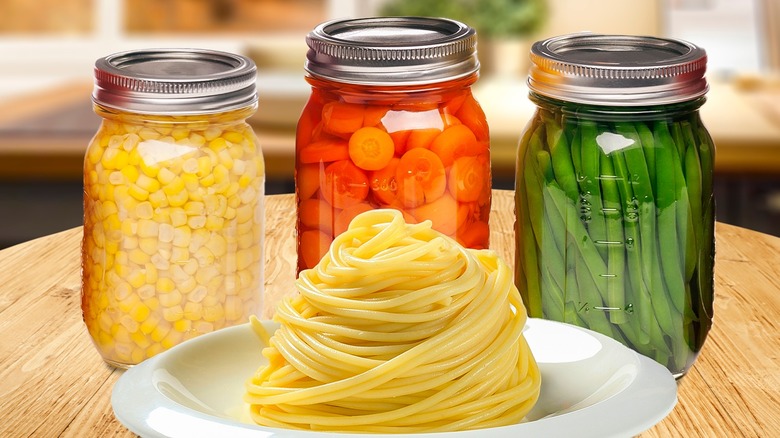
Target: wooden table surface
x,y
54,383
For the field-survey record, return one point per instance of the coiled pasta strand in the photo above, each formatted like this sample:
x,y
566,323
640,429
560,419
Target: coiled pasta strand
x,y
397,329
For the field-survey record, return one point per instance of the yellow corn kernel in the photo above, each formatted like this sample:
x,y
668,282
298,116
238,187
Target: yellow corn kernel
x,y
149,324
196,222
248,195
181,237
217,245
147,291
172,339
232,189
202,327
230,213
165,176
148,228
148,170
129,323
148,183
244,214
208,180
178,216
204,166
197,139
173,313
182,325
187,285
116,178
94,154
213,313
140,312
190,165
179,255
244,259
204,257
225,158
236,151
144,210
154,350
139,257
165,233
138,354
137,192
214,223
233,136
193,311
159,332
178,199
170,299
148,134
215,204
151,274
148,245
212,132
244,181
180,133
197,294
199,237
194,208
165,285
217,144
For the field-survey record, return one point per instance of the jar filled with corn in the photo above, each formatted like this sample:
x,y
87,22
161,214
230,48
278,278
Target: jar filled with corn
x,y
173,201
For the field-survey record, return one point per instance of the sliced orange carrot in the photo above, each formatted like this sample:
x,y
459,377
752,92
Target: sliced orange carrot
x,y
343,184
443,212
373,114
420,177
307,180
341,118
316,214
474,235
399,140
467,179
324,151
449,120
471,115
455,142
422,138
454,103
371,148
345,216
383,182
305,127
313,244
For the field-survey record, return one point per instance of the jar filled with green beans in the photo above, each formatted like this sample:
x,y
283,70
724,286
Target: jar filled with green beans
x,y
614,203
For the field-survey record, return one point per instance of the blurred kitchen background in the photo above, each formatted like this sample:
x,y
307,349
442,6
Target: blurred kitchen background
x,y
48,48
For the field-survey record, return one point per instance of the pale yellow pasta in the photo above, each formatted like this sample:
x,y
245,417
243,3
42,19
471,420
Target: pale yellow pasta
x,y
397,329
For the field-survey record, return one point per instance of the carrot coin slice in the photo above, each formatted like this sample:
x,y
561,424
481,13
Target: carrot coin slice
x,y
421,177
307,180
371,148
313,245
383,184
342,118
343,184
316,214
467,179
455,142
324,151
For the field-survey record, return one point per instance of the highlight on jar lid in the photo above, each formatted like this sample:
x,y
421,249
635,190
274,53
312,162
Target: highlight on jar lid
x,y
392,50
617,70
175,81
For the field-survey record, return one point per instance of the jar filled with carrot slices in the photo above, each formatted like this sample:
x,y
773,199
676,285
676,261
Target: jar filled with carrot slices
x,y
391,123
173,201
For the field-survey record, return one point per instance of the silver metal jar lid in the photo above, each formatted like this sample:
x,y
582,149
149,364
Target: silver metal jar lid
x,y
175,81
617,70
392,50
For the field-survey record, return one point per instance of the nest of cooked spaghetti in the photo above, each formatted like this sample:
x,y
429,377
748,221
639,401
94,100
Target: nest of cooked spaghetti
x,y
398,329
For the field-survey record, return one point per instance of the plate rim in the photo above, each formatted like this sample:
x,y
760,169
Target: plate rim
x,y
136,384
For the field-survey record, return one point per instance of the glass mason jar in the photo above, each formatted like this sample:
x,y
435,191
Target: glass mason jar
x,y
173,201
614,204
391,123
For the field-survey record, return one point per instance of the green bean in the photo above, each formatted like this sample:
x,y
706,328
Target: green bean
x,y
648,147
692,168
561,160
616,237
668,201
591,187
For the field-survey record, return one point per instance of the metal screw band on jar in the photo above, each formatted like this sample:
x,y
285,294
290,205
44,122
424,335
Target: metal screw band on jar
x,y
175,81
392,51
617,70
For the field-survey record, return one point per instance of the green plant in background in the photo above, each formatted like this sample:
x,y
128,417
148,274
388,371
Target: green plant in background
x,y
491,18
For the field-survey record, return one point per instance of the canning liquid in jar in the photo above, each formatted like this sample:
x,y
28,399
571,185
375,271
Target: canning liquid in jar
x,y
614,202
173,201
391,122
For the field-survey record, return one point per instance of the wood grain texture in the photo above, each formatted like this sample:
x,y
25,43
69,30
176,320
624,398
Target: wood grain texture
x,y
53,382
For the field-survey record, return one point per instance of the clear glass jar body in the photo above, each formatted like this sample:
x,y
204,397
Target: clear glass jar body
x,y
173,230
422,149
615,223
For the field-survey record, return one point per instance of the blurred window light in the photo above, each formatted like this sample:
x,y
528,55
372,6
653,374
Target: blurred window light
x,y
732,31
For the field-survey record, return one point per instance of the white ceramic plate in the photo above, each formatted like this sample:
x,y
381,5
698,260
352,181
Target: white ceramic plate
x,y
592,386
